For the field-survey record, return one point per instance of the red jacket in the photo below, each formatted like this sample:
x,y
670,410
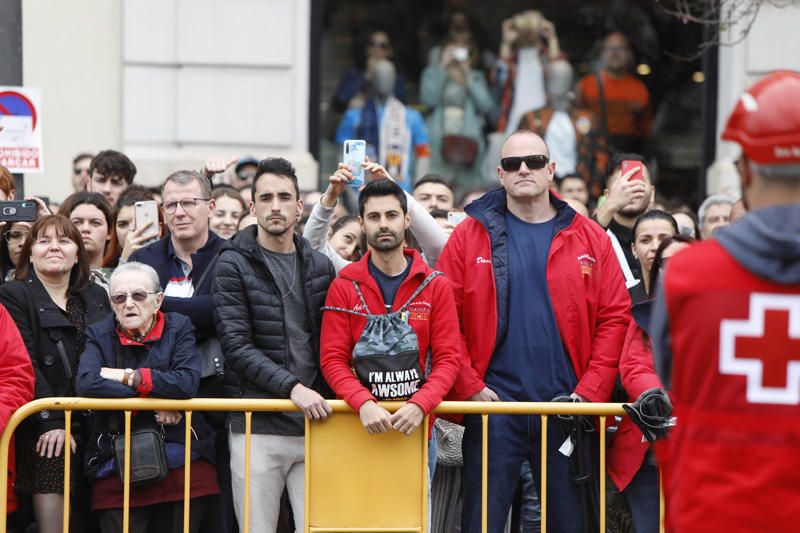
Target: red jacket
x,y
16,385
591,305
627,451
432,315
731,463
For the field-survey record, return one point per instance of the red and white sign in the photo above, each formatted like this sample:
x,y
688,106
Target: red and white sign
x,y
21,133
765,348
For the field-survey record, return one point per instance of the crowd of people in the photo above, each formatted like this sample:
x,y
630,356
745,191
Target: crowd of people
x,y
472,97
246,286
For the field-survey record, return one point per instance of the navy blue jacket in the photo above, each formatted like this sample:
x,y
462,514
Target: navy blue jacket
x,y
200,307
175,368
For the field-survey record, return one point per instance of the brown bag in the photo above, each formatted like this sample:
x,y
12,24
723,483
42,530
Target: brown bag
x,y
459,150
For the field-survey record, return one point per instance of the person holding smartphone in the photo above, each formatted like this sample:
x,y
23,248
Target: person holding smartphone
x,y
423,227
628,194
459,98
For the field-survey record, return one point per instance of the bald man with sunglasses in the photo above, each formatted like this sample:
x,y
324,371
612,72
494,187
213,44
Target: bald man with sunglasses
x,y
544,312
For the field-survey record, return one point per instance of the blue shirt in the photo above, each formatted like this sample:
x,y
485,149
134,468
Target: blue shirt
x,y
530,364
388,285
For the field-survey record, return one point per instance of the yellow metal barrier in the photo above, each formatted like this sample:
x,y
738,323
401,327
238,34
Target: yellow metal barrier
x,y
333,449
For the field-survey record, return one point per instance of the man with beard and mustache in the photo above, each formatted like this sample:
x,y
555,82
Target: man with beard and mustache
x,y
269,290
387,277
628,195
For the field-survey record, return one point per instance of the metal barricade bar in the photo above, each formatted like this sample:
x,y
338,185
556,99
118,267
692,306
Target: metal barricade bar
x,y
248,406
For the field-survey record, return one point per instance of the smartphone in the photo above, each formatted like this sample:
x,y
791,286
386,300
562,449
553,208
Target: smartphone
x,y
18,211
144,212
628,164
456,217
460,53
355,153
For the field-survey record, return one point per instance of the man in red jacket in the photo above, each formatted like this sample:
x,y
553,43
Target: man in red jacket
x,y
543,312
726,338
387,276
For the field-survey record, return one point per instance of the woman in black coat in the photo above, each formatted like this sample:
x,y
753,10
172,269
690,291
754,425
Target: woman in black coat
x,y
52,302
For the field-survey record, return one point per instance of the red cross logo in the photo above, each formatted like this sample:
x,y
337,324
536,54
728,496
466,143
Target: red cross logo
x,y
765,348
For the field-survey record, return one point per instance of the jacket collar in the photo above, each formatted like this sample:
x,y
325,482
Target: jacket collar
x,y
490,210
246,242
153,335
359,271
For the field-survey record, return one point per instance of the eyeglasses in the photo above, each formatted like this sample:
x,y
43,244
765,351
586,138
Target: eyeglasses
x,y
187,204
14,236
380,44
122,297
533,162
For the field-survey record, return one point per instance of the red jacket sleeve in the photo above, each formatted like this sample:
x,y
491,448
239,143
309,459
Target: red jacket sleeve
x,y
445,347
611,323
336,348
451,263
16,372
636,366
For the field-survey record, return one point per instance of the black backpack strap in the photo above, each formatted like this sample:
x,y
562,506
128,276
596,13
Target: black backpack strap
x,y
361,296
422,286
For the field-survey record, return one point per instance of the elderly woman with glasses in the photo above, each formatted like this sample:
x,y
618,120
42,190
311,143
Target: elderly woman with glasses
x,y
140,351
52,303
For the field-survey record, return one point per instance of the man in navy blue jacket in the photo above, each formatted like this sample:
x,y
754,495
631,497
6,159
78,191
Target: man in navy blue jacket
x,y
182,257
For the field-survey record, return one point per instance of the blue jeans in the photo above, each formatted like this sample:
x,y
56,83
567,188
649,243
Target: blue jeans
x,y
512,439
643,499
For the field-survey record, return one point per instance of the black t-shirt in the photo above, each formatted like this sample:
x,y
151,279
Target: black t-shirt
x,y
388,284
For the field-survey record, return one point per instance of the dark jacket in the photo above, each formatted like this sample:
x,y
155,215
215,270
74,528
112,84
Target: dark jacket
x,y
170,367
50,339
200,307
250,324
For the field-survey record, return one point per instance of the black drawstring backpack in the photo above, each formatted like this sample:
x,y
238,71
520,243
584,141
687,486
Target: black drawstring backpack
x,y
386,357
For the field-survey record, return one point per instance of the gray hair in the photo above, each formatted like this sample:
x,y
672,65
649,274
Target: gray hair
x,y
133,266
714,199
787,172
183,177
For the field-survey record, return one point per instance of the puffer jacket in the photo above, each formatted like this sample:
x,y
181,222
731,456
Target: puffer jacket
x,y
250,323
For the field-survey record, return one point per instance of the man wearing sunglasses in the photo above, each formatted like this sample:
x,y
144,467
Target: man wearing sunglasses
x,y
544,312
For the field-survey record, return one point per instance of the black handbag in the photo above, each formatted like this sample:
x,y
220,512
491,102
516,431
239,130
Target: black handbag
x,y
148,451
148,457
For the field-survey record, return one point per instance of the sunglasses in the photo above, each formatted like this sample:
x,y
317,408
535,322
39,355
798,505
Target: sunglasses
x,y
533,162
137,296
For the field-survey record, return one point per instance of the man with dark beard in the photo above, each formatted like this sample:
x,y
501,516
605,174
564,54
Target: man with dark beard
x,y
627,196
269,290
387,280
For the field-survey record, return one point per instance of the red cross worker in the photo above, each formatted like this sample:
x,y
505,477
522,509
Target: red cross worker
x,y
726,336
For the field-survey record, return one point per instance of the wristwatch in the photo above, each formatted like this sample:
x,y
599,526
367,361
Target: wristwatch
x,y
126,377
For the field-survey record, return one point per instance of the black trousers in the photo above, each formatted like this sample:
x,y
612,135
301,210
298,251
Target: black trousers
x,y
167,517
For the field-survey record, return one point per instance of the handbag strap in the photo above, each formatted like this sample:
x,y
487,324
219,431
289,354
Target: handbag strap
x,y
209,268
